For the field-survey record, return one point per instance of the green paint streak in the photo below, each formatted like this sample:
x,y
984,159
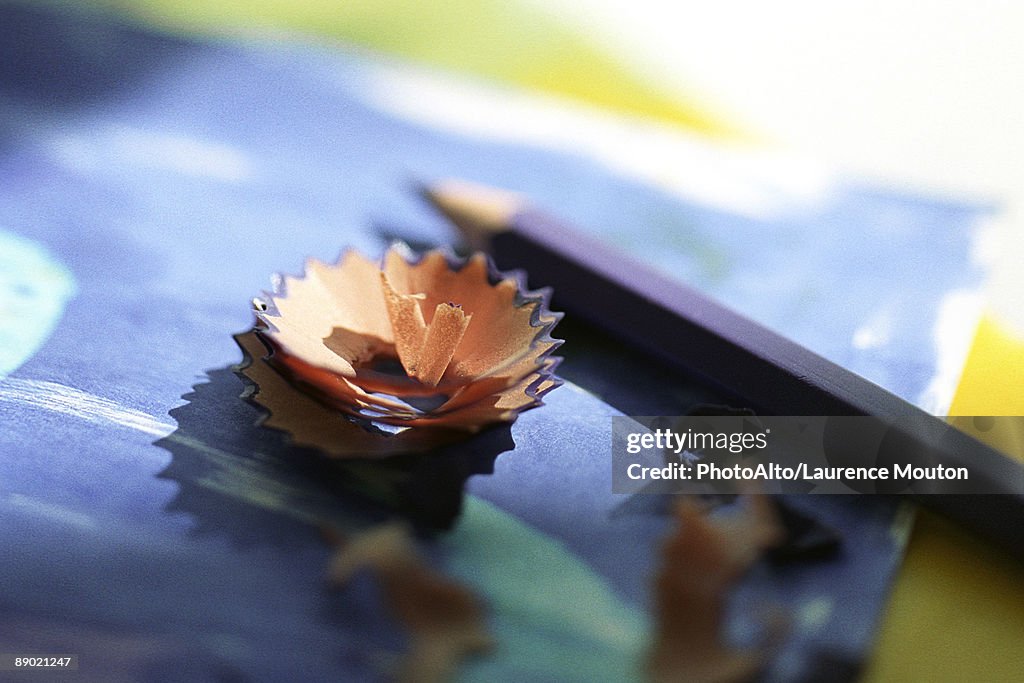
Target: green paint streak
x,y
34,290
553,617
665,228
498,40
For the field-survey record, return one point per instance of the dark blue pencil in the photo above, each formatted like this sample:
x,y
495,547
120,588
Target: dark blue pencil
x,y
764,370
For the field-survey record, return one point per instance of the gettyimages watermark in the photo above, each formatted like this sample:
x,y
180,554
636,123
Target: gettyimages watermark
x,y
826,455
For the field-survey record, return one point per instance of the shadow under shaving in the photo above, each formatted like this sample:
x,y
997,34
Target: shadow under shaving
x,y
250,483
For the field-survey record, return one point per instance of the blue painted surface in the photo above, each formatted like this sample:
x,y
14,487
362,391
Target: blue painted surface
x,y
172,177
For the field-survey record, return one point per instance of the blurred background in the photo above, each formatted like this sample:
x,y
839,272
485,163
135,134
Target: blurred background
x,y
922,97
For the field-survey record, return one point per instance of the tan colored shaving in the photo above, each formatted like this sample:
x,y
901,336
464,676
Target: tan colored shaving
x,y
701,561
410,343
445,619
407,325
312,424
444,333
424,350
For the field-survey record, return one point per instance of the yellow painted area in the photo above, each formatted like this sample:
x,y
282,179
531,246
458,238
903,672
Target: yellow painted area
x,y
993,378
993,384
500,40
956,612
957,608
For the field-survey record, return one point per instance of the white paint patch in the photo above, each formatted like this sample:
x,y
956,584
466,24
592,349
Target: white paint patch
x,y
79,404
60,398
191,156
49,511
999,247
133,147
737,178
245,478
815,613
953,334
875,333
903,524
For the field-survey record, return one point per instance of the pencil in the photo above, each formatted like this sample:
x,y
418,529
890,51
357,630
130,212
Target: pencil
x,y
688,330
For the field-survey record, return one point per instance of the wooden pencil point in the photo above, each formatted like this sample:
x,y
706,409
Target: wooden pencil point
x,y
478,211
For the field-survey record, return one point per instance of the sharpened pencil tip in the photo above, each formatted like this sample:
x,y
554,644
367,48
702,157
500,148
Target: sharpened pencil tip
x,y
477,211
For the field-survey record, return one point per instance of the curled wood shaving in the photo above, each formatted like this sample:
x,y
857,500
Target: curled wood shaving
x,y
312,424
472,344
702,560
444,333
445,619
407,324
425,350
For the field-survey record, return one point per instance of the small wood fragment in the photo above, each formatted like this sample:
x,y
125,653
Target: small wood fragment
x,y
407,324
445,619
701,561
444,333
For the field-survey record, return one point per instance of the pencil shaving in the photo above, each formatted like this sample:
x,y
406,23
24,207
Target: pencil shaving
x,y
445,619
422,343
311,424
424,350
701,561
